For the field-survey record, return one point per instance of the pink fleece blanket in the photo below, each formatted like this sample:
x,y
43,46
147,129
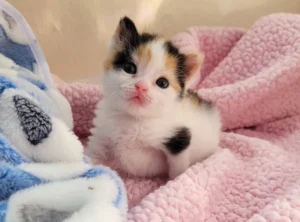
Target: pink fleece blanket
x,y
254,78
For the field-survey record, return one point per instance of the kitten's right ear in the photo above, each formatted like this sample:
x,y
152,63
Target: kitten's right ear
x,y
125,35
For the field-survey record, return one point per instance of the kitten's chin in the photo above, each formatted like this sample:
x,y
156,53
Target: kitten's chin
x,y
134,108
137,110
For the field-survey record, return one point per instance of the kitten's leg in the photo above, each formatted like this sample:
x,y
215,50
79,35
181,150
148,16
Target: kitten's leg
x,y
141,162
178,163
98,148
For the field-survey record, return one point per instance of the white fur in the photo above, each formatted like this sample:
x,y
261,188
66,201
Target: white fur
x,y
90,198
132,136
136,144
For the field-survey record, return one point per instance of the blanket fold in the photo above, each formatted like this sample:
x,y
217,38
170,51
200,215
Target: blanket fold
x,y
253,77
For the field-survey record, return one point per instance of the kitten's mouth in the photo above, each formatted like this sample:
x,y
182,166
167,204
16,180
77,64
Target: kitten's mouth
x,y
138,99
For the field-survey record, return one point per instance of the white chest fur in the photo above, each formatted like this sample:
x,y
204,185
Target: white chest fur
x,y
137,146
127,144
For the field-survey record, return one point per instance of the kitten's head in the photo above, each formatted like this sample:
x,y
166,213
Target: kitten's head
x,y
146,73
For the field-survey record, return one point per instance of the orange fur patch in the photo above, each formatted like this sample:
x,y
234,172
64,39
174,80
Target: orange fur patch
x,y
144,54
193,62
171,66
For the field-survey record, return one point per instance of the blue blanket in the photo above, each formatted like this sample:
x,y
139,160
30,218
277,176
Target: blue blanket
x,y
44,175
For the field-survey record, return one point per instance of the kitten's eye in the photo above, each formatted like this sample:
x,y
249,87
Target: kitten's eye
x,y
130,68
162,83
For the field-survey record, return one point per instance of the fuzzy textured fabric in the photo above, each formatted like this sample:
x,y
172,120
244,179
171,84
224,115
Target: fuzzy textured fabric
x,y
253,77
44,175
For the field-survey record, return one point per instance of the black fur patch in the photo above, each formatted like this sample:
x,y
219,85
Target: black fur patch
x,y
35,123
128,32
208,104
181,69
146,37
131,40
179,141
122,58
128,24
172,50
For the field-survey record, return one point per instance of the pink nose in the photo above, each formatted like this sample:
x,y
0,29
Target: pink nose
x,y
141,87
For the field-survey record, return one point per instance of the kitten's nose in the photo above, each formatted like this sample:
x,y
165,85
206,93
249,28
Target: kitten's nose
x,y
141,87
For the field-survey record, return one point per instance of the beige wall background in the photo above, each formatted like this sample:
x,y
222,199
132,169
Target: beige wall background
x,y
74,34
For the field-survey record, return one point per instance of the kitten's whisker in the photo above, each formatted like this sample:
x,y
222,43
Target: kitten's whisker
x,y
112,95
110,86
128,82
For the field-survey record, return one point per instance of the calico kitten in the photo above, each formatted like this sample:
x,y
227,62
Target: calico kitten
x,y
149,122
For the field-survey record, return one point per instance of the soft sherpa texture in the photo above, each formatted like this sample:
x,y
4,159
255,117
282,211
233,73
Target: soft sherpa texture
x,y
253,77
19,43
44,175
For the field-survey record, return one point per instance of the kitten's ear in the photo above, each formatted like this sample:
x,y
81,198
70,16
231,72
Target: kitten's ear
x,y
126,34
193,63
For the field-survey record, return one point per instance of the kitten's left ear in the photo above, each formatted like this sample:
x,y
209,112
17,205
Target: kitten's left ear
x,y
193,63
126,34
